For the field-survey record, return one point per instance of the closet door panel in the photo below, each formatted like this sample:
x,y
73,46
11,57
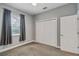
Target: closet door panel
x,y
69,33
46,32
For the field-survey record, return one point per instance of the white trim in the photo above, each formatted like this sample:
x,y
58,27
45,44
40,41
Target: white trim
x,y
15,34
3,50
47,44
75,51
47,19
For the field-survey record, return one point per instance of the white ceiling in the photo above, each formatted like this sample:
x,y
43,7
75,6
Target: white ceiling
x,y
33,10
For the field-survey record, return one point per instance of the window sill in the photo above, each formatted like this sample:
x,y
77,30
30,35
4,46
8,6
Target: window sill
x,y
15,34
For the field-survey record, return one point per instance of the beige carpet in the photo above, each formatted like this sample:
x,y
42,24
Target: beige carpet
x,y
35,49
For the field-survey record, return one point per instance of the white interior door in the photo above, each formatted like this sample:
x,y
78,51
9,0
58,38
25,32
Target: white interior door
x,y
69,33
46,32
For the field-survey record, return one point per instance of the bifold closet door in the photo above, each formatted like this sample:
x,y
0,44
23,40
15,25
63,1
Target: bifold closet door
x,y
46,32
68,33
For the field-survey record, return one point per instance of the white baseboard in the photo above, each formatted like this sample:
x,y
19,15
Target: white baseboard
x,y
6,49
58,46
70,51
9,48
75,52
47,44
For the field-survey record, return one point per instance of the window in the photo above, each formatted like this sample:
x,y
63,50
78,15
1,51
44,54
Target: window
x,y
15,24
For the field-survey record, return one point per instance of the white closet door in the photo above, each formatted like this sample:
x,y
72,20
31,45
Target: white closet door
x,y
46,32
69,33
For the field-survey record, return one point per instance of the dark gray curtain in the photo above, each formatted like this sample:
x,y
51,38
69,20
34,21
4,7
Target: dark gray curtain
x,y
6,28
22,27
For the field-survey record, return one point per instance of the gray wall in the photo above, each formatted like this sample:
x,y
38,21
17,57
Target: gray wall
x,y
33,18
69,9
1,13
78,8
29,23
65,10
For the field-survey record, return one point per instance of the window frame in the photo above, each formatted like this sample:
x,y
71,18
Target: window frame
x,y
15,15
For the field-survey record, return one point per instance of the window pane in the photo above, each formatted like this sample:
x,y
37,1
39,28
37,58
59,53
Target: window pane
x,y
15,23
